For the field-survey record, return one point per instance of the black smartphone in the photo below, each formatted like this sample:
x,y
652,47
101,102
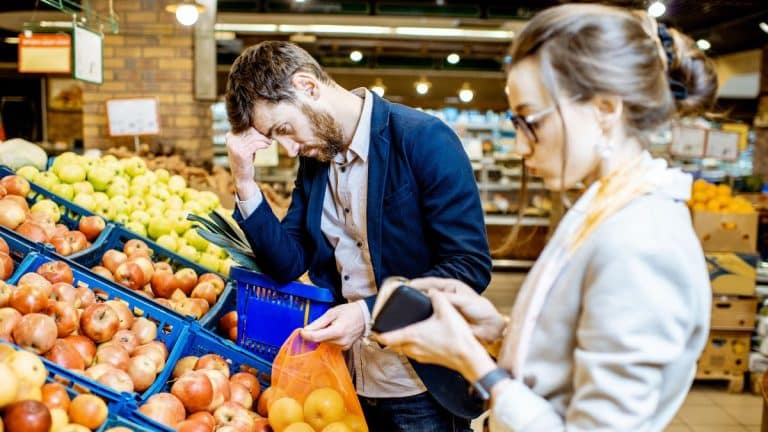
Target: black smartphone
x,y
405,306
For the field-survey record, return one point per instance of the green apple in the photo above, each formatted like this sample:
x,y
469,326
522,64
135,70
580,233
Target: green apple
x,y
167,241
137,203
195,240
140,216
134,166
180,242
106,210
65,159
46,180
155,213
226,265
83,187
90,161
138,190
179,221
158,227
109,158
28,172
71,173
101,198
190,194
189,253
216,251
85,201
47,207
209,261
136,228
177,184
209,200
117,189
66,191
160,191
100,177
152,202
122,218
120,204
162,175
174,203
193,207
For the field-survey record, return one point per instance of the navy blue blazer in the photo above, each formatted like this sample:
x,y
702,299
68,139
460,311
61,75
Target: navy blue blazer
x,y
424,219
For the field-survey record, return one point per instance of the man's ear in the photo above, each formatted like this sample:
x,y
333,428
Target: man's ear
x,y
305,85
608,110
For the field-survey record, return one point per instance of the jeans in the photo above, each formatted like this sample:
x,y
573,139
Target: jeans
x,y
420,413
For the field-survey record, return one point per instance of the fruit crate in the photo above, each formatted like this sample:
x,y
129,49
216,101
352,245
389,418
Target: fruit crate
x,y
119,236
267,313
170,326
227,303
198,341
19,246
70,213
77,384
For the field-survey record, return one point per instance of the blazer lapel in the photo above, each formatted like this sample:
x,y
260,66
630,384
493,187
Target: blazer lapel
x,y
378,159
317,188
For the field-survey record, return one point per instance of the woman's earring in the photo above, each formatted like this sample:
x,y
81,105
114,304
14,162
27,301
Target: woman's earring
x,y
604,147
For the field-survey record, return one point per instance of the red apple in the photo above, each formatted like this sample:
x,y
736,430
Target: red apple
x,y
103,272
220,388
15,185
201,303
127,339
56,271
158,353
129,275
36,281
86,297
32,231
9,318
184,365
213,361
193,426
215,279
190,307
65,292
117,380
65,355
204,417
27,299
232,414
123,313
4,245
27,416
112,259
5,290
146,330
206,291
164,408
55,396
136,245
142,370
162,266
88,410
239,394
164,284
36,333
143,261
91,226
65,317
61,245
228,321
85,346
195,390
6,266
99,322
97,371
59,230
113,354
248,381
187,279
232,334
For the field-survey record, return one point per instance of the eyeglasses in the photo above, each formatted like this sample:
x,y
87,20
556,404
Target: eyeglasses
x,y
527,124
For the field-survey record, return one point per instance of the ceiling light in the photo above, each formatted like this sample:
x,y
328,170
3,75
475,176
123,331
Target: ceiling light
x,y
378,87
299,1
355,56
428,32
703,44
422,86
763,26
453,58
466,94
656,9
225,35
12,40
330,28
187,12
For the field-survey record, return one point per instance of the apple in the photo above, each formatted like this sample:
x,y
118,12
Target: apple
x,y
249,381
32,231
132,226
6,266
127,339
120,204
162,266
29,172
12,213
193,426
47,207
145,330
28,367
209,261
164,284
56,271
86,296
137,202
55,396
35,332
205,418
130,275
101,198
64,190
92,226
47,180
134,166
97,371
99,322
184,365
220,388
124,313
15,185
240,395
118,380
191,307
143,371
135,245
141,217
34,280
232,414
85,201
65,355
66,158
118,188
65,316
71,173
27,416
206,291
164,408
59,230
103,272
195,240
5,289
228,321
64,292
232,334
88,410
114,355
112,259
83,188
85,346
10,389
193,207
27,299
158,353
9,318
177,184
158,227
69,243
100,177
4,246
213,361
187,279
195,391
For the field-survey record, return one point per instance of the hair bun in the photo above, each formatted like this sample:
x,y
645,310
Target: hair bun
x,y
692,68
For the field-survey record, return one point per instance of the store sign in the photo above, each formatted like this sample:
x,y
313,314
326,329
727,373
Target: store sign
x,y
45,53
723,145
133,117
88,55
688,142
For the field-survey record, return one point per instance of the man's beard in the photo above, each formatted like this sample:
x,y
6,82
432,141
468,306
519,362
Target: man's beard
x,y
327,132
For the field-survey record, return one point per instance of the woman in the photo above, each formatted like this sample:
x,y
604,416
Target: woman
x,y
607,328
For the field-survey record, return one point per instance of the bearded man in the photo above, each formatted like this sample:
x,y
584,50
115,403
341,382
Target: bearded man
x,y
382,190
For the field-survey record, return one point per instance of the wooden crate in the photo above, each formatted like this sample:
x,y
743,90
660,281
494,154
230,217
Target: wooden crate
x,y
733,313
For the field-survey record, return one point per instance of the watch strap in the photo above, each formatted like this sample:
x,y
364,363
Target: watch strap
x,y
484,385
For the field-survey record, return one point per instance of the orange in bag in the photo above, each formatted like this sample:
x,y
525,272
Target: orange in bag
x,y
313,389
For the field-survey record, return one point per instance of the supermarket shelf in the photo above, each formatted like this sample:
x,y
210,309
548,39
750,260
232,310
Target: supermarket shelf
x,y
512,264
512,220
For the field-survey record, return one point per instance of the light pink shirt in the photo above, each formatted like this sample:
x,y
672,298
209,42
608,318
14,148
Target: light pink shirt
x,y
378,373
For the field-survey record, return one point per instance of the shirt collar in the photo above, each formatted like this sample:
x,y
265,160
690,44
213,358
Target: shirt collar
x,y
362,137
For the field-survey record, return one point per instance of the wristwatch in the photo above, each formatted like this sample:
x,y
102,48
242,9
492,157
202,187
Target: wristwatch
x,y
484,385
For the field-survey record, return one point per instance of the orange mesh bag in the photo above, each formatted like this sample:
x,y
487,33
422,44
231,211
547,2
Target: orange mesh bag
x,y
311,384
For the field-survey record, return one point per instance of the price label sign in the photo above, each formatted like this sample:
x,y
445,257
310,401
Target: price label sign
x,y
688,142
133,117
723,145
88,55
45,53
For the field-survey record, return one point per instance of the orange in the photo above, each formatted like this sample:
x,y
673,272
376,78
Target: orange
x,y
299,427
337,427
267,397
323,407
284,412
356,423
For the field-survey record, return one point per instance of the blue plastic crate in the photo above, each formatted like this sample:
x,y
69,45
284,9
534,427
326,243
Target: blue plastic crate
x,y
170,326
227,303
19,246
268,313
118,236
70,214
198,342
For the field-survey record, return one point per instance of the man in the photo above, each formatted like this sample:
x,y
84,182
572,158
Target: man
x,y
381,190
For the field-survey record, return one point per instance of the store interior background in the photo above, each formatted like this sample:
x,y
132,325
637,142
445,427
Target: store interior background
x,y
439,55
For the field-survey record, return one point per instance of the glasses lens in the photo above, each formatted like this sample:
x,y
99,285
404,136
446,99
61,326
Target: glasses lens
x,y
522,126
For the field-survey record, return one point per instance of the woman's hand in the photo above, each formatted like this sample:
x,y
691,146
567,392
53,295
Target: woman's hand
x,y
486,322
444,339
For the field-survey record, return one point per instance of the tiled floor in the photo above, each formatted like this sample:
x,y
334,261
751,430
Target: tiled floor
x,y
709,408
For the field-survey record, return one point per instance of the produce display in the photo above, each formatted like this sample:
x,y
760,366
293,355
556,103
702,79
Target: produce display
x,y
228,326
150,203
182,291
31,401
717,198
40,222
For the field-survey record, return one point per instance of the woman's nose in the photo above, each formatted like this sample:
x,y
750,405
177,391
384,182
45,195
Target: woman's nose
x,y
522,147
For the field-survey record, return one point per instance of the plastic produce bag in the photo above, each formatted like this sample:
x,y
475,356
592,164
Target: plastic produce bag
x,y
314,377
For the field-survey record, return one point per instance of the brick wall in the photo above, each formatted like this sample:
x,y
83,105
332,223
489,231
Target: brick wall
x,y
151,56
64,126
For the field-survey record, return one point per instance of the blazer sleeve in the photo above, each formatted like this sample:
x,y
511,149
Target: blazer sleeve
x,y
281,248
636,318
451,206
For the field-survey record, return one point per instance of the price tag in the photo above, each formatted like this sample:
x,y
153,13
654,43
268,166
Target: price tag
x,y
88,55
133,117
688,142
723,145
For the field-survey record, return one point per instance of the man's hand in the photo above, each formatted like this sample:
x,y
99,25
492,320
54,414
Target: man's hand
x,y
342,325
242,148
